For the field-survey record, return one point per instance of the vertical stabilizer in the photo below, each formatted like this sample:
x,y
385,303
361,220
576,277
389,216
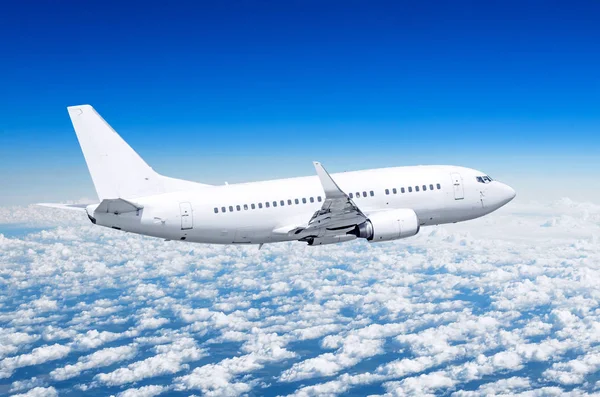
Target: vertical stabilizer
x,y
116,169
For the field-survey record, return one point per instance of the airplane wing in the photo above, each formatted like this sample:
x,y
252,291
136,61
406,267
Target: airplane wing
x,y
338,212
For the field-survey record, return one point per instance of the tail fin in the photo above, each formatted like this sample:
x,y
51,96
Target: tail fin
x,y
116,169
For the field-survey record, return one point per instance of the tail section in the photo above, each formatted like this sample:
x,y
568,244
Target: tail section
x,y
116,169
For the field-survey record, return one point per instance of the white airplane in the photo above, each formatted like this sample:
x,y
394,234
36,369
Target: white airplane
x,y
377,205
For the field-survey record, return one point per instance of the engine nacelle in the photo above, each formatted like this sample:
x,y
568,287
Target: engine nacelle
x,y
388,225
329,239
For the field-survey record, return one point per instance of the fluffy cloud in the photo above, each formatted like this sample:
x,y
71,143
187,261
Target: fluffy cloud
x,y
100,358
39,355
171,359
575,371
353,350
39,392
144,391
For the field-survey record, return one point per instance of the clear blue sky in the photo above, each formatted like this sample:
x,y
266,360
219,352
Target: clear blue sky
x,y
244,90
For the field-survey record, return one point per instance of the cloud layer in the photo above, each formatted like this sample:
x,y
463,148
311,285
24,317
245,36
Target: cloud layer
x,y
503,305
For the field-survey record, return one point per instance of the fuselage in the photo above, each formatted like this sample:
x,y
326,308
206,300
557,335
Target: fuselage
x,y
262,212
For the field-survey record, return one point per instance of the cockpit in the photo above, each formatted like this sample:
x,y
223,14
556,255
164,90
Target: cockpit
x,y
484,179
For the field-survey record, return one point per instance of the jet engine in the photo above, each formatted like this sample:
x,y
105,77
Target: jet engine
x,y
388,225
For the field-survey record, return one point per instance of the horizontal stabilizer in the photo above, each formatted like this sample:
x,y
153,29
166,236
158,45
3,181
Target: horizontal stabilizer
x,y
70,207
117,206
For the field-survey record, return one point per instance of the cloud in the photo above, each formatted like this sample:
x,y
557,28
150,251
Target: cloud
x,y
218,379
574,371
144,391
39,355
171,359
353,350
27,384
100,358
39,392
507,386
11,342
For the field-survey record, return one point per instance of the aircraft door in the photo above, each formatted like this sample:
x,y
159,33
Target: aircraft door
x,y
459,192
187,217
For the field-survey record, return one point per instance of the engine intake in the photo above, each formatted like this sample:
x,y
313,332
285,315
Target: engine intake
x,y
388,225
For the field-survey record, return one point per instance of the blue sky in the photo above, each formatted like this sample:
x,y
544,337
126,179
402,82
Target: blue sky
x,y
239,91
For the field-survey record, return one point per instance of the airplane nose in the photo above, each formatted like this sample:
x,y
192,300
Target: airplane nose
x,y
507,193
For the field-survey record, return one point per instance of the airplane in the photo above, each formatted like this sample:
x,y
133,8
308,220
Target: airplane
x,y
376,204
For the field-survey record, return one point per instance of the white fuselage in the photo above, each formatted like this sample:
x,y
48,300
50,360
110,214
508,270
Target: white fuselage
x,y
252,213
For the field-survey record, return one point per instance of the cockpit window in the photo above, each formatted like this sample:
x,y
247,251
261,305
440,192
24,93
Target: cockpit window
x,y
484,179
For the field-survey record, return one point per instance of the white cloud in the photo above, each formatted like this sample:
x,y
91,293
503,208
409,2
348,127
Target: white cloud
x,y
507,386
39,392
144,391
218,379
39,355
353,350
27,384
100,358
573,372
171,359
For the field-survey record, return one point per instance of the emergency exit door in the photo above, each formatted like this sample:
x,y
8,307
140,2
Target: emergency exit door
x,y
459,192
187,217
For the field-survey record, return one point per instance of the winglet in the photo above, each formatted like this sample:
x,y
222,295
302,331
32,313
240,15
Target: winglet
x,y
332,190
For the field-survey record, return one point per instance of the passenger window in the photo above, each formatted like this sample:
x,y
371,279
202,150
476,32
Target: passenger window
x,y
267,205
296,201
402,190
438,186
216,210
364,194
350,195
274,203
430,187
372,193
282,203
259,205
357,194
289,202
410,189
416,188
237,207
312,199
424,188
223,209
304,200
387,191
319,198
231,208
394,191
246,207
252,206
